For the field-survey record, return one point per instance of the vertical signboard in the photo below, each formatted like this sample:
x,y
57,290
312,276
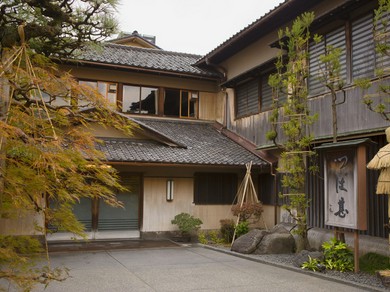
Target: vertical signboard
x,y
340,188
345,184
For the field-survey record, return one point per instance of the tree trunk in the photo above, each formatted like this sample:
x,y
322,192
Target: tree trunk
x,y
4,103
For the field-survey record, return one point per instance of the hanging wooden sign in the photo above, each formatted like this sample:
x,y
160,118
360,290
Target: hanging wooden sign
x,y
345,184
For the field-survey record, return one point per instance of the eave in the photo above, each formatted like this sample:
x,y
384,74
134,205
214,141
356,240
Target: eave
x,y
139,69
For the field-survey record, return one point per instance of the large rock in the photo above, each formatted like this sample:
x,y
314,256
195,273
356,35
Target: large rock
x,y
247,243
304,255
278,240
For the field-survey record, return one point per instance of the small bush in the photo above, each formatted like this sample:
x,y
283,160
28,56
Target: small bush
x,y
202,237
337,256
227,230
242,228
373,262
187,223
312,264
210,237
215,238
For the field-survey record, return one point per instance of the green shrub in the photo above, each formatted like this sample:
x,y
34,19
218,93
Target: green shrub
x,y
215,237
187,223
337,256
242,228
227,230
202,237
312,264
373,262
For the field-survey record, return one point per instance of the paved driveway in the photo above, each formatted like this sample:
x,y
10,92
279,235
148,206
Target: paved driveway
x,y
178,269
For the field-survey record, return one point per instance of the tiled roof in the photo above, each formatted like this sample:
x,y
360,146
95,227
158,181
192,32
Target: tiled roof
x,y
200,142
146,58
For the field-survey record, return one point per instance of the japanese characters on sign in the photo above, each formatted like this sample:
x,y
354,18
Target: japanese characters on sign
x,y
340,188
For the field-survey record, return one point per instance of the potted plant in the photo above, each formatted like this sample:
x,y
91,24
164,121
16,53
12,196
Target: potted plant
x,y
187,225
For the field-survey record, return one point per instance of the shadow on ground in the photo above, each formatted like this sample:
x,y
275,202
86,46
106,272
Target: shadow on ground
x,y
109,245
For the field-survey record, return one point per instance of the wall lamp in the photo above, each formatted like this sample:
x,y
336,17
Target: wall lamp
x,y
170,185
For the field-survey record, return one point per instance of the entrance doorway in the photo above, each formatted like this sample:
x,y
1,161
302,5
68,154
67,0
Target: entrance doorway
x,y
96,215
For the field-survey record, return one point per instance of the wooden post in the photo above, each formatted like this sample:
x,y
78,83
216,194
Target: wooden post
x,y
356,250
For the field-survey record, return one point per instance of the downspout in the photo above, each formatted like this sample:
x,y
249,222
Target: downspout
x,y
225,118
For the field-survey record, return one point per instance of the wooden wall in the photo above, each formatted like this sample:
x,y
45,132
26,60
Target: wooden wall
x,y
354,118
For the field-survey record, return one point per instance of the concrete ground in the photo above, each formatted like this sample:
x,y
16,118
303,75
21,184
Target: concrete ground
x,y
177,268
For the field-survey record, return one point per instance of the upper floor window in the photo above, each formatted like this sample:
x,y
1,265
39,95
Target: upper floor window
x,y
181,103
133,99
139,100
247,98
359,60
107,89
255,95
335,39
363,51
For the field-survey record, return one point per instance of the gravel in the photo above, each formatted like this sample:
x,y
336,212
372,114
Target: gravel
x,y
361,279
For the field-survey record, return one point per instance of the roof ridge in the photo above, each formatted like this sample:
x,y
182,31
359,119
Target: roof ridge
x,y
155,50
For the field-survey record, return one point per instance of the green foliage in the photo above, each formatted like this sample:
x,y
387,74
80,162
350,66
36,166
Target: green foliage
x,y
57,27
227,230
215,237
378,101
242,228
373,262
312,264
202,237
294,118
337,256
186,223
210,237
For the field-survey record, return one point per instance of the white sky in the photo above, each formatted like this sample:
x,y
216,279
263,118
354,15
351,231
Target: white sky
x,y
190,26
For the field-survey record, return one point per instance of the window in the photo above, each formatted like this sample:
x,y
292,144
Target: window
x,y
107,89
247,98
363,56
139,100
215,188
266,93
336,39
181,103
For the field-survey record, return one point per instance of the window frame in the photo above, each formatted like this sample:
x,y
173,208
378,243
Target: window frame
x,y
210,188
247,112
140,87
189,99
107,89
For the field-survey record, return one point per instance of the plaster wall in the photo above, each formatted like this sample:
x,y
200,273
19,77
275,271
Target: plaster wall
x,y
24,224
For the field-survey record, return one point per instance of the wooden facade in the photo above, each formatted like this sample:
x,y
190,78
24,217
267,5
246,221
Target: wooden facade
x,y
246,59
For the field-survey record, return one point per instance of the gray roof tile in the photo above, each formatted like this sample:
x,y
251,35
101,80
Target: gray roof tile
x,y
145,58
202,144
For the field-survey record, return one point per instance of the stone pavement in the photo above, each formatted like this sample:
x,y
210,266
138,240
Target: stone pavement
x,y
178,268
